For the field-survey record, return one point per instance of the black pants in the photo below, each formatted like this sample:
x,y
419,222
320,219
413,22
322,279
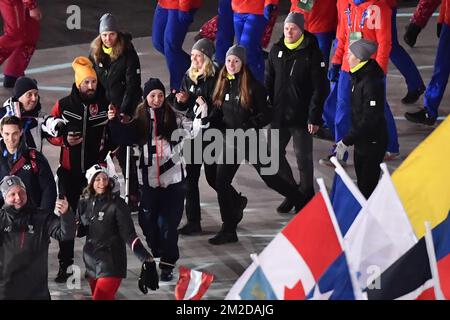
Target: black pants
x,y
71,185
303,149
160,214
229,198
367,158
134,184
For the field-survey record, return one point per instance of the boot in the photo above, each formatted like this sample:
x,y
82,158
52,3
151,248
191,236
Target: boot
x,y
62,275
413,96
285,206
190,228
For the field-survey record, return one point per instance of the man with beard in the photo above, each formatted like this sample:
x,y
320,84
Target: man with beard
x,y
78,125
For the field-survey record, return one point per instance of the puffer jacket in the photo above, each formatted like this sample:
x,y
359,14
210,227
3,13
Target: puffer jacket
x,y
321,18
107,226
297,84
24,239
251,6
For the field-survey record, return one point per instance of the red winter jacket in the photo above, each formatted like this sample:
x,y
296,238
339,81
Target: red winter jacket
x,y
423,12
322,18
251,6
444,12
377,29
183,5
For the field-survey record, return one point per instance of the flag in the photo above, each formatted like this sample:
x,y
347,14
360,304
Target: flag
x,y
346,199
423,180
410,276
112,173
289,267
381,233
192,284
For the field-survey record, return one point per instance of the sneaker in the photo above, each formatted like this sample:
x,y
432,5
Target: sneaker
x,y
9,81
166,275
327,162
190,228
285,207
62,275
413,96
223,237
391,156
421,116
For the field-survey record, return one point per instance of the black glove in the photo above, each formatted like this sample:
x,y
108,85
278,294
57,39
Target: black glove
x,y
439,29
149,277
412,31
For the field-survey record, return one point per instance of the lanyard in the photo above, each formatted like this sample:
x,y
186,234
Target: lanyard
x,y
349,22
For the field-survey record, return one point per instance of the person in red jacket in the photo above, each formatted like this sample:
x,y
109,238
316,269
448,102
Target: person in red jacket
x,y
438,83
321,21
170,25
20,35
419,20
250,19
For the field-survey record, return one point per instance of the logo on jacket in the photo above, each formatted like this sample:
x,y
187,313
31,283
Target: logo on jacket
x,y
100,215
26,167
93,109
30,228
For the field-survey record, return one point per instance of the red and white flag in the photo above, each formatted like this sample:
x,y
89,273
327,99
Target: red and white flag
x,y
192,284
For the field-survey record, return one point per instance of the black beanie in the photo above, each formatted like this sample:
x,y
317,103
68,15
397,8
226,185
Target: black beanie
x,y
24,84
152,84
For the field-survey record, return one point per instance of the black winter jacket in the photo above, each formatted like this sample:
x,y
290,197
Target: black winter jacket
x,y
297,84
35,173
231,115
89,118
24,240
368,98
121,78
107,226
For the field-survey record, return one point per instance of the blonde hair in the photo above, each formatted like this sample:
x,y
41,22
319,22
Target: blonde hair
x,y
97,50
208,70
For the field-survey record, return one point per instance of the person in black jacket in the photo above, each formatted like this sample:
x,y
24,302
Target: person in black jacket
x,y
16,158
368,131
105,220
78,125
25,232
240,102
297,85
25,104
119,72
199,81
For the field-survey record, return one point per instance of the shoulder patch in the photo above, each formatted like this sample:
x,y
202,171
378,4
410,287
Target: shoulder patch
x,y
373,103
322,64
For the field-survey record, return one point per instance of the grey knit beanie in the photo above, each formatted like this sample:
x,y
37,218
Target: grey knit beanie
x,y
239,52
108,23
8,182
205,46
363,49
297,18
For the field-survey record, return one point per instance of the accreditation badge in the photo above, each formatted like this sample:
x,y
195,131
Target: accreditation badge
x,y
306,5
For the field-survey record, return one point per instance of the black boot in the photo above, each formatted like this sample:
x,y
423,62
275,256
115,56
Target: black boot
x,y
190,228
413,96
421,116
285,206
223,237
62,273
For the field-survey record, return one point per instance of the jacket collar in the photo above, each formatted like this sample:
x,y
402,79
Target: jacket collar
x,y
371,68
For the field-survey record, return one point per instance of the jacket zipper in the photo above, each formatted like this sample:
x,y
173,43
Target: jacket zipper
x,y
292,68
22,239
84,138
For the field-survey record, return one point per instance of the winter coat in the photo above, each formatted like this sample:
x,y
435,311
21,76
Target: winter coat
x,y
33,168
251,6
367,107
423,11
29,118
183,5
321,18
297,83
380,34
121,78
108,226
24,240
89,118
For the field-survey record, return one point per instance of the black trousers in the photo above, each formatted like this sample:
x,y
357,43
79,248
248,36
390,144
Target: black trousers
x,y
367,158
71,185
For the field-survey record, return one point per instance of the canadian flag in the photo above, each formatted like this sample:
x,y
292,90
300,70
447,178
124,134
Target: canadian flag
x,y
192,284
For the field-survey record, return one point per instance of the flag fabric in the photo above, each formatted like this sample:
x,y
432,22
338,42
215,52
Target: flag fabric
x,y
423,180
112,173
381,233
346,199
289,267
192,284
410,278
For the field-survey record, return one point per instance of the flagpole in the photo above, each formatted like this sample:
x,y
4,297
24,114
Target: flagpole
x,y
432,259
355,284
339,169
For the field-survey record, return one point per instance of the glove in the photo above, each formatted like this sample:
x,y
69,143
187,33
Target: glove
x,y
54,127
268,10
201,110
412,31
149,277
340,150
439,29
333,72
358,2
